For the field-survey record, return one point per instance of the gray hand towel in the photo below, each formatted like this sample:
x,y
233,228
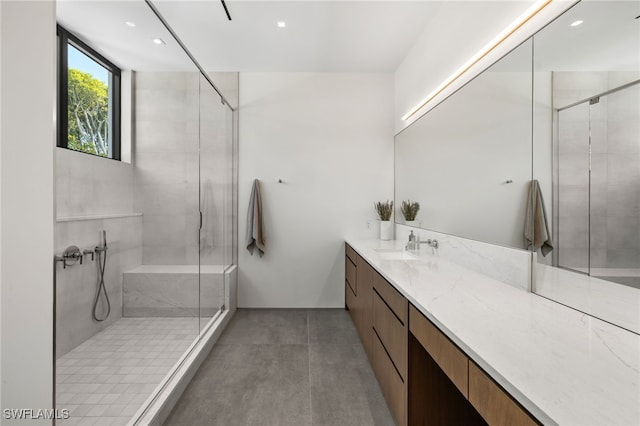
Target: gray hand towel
x,y
255,228
536,228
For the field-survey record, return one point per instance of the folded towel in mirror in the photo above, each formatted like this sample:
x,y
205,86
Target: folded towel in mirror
x,y
536,227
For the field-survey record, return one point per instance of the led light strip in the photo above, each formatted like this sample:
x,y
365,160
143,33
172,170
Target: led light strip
x,y
497,40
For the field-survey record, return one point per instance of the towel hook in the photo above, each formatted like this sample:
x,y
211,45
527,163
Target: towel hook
x,y
509,181
280,181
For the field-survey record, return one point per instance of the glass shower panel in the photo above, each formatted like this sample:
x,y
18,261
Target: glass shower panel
x,y
615,186
228,188
573,188
213,183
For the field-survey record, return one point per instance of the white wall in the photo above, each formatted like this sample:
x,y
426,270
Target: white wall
x,y
26,194
453,36
329,137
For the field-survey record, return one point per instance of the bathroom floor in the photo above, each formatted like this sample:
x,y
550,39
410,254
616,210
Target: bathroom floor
x,y
106,379
284,367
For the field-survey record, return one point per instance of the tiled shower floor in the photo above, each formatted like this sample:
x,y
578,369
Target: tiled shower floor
x,y
106,379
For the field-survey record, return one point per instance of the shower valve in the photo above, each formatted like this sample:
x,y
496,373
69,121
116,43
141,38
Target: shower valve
x,y
86,252
70,256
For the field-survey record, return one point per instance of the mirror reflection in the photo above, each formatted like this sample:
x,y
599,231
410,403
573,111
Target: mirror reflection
x,y
587,79
467,162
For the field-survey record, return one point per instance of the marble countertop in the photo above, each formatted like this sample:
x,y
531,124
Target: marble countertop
x,y
564,366
619,304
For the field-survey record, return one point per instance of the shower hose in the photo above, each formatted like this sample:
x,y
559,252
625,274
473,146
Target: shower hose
x,y
101,254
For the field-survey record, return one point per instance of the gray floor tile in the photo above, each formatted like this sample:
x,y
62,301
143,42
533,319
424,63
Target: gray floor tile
x,y
243,384
331,326
344,390
255,376
267,326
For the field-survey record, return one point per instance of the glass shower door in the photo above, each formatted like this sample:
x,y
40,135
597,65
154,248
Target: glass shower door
x,y
599,186
213,186
573,188
615,186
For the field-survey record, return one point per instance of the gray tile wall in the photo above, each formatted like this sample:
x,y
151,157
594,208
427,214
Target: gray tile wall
x,y
91,186
182,155
613,192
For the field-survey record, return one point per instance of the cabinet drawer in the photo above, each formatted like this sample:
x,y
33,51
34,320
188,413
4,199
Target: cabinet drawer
x,y
351,253
349,297
449,358
493,404
391,384
392,334
391,296
350,274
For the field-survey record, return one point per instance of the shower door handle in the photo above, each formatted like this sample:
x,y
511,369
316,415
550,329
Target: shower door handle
x,y
200,221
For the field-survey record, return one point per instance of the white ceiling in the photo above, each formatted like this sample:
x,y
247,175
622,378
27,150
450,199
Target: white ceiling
x,y
332,35
101,24
319,35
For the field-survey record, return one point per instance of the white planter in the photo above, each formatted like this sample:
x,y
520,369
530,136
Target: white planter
x,y
386,230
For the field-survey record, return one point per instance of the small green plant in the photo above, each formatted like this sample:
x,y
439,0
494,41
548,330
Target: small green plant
x,y
384,209
409,209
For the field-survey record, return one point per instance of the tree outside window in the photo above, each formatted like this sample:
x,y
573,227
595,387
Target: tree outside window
x,y
90,97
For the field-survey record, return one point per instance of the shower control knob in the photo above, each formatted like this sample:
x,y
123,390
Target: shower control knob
x,y
71,256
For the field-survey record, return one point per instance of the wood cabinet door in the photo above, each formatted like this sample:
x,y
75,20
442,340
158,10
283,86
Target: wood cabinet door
x,y
493,404
391,332
449,358
364,280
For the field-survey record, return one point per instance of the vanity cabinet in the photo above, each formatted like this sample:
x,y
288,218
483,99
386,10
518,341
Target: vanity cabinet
x,y
358,288
390,345
380,314
350,282
446,387
425,378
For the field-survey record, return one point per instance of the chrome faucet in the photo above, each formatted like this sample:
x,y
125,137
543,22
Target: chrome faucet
x,y
432,243
414,243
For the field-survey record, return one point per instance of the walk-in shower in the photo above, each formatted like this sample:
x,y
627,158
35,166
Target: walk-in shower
x,y
598,181
126,324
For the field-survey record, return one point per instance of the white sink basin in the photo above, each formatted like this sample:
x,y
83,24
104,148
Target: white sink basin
x,y
394,254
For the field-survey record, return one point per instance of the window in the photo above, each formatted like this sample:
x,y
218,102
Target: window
x,y
88,99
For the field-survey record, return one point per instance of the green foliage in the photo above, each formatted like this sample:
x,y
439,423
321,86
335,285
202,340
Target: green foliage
x,y
384,209
409,209
88,114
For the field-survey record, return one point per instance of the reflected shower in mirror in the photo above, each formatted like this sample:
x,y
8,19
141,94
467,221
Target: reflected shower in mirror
x,y
587,158
467,162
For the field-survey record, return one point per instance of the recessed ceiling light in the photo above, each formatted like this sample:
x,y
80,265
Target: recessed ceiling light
x,y
576,23
282,24
158,40
130,24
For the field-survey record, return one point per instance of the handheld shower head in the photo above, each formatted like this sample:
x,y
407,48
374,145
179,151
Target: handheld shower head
x,y
104,238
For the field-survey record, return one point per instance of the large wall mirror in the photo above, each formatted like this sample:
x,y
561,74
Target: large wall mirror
x,y
467,162
562,109
587,158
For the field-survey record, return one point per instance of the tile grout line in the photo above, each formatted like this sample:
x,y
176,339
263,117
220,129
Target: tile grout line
x,y
309,361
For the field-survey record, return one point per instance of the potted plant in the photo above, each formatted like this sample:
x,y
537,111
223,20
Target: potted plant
x,y
384,210
410,210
